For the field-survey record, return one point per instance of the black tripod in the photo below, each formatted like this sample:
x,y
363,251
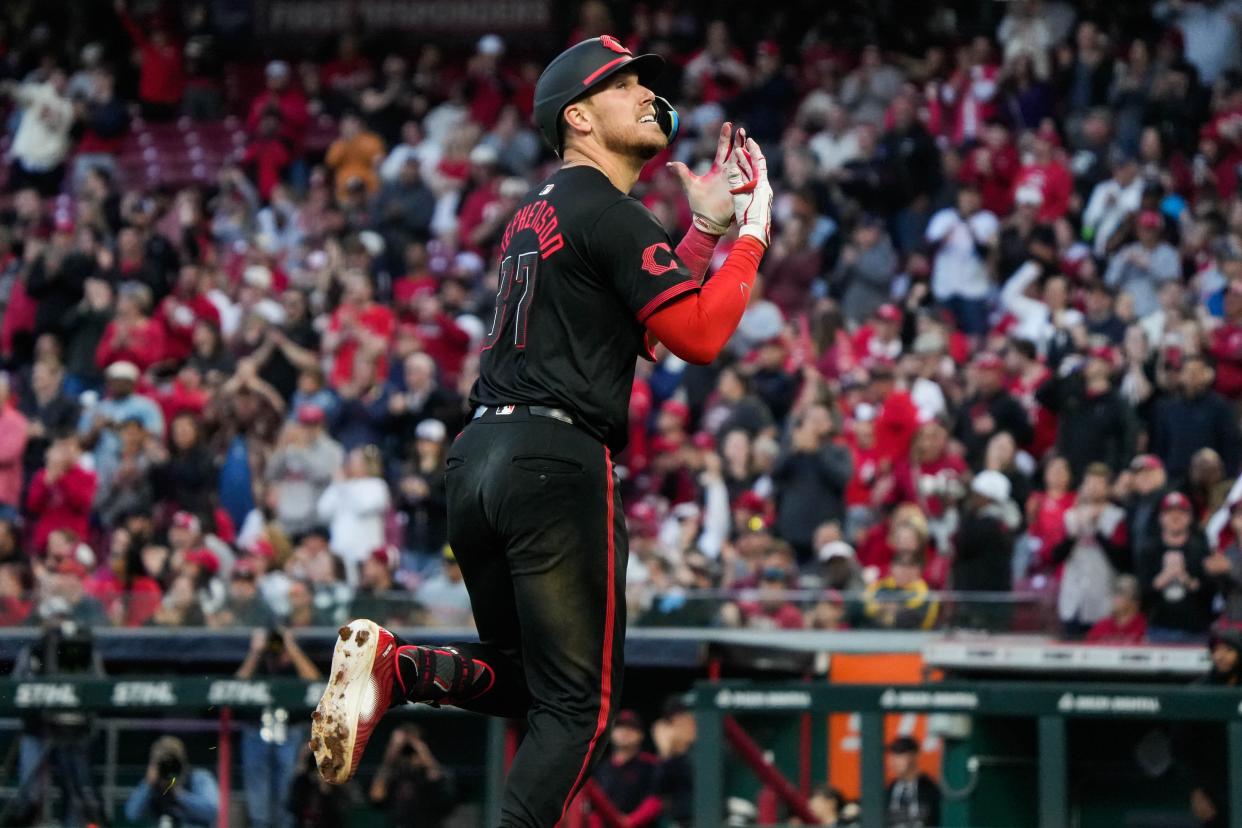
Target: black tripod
x,y
63,751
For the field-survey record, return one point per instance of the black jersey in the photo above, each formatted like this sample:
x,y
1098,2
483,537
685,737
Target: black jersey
x,y
583,266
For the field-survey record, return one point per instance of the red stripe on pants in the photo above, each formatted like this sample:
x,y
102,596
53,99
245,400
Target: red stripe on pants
x,y
610,609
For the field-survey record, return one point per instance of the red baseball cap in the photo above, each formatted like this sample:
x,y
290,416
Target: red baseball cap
x,y
310,414
703,440
72,566
677,408
185,520
263,548
1146,462
204,558
1104,352
749,501
1150,219
988,361
645,519
664,445
629,718
1175,500
385,556
888,312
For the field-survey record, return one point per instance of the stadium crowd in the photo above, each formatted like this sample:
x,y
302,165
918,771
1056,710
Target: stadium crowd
x,y
997,347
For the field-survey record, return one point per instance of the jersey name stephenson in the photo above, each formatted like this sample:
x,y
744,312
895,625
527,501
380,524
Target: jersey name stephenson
x,y
582,267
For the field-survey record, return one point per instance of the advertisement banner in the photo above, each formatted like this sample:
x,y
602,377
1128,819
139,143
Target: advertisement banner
x,y
423,17
843,728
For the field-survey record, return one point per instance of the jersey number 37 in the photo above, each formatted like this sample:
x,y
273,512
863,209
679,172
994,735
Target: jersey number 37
x,y
517,289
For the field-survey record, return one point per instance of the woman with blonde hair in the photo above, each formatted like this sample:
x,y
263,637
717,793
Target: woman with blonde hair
x,y
355,507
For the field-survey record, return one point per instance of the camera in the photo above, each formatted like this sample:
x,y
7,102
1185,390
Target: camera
x,y
168,767
66,648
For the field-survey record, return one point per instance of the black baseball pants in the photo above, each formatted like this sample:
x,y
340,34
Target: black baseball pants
x,y
536,524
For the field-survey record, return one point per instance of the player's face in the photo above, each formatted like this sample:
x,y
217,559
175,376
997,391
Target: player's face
x,y
623,117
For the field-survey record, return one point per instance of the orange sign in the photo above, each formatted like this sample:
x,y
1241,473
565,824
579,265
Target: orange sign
x,y
844,737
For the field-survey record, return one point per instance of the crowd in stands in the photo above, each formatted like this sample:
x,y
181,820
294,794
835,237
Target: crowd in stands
x,y
996,346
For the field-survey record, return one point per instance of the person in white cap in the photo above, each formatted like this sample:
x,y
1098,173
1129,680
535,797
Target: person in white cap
x,y
472,227
284,99
421,494
983,562
98,424
838,567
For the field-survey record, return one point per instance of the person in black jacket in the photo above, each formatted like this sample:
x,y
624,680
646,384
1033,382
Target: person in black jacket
x,y
1095,423
57,277
984,560
1196,418
811,475
186,476
913,797
411,784
912,152
1140,491
1200,746
1177,592
990,410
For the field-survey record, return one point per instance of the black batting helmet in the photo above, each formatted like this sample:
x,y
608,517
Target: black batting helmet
x,y
573,73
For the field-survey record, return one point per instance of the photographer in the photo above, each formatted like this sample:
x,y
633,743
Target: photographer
x,y
269,747
315,803
172,792
410,781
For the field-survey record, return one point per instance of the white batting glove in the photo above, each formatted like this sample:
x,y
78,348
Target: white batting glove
x,y
747,172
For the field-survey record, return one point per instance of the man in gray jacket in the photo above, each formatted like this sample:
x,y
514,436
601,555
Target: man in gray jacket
x,y
301,468
864,275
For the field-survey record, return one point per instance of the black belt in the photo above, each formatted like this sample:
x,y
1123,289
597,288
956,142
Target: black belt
x,y
535,410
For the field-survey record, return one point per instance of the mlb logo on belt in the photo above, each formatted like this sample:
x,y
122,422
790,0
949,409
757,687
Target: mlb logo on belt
x,y
502,410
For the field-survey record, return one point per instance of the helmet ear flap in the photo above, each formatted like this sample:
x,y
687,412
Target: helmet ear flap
x,y
667,118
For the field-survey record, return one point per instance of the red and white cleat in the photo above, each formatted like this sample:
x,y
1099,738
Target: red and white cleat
x,y
358,694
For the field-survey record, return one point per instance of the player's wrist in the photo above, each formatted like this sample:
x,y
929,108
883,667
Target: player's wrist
x,y
710,226
755,232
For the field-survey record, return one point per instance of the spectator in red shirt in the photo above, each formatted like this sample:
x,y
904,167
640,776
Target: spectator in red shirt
x,y
132,336
486,87
286,101
181,310
1045,515
485,181
1048,174
129,595
932,476
1126,624
161,81
345,77
360,328
16,587
441,337
719,69
992,166
268,155
61,493
13,435
1226,345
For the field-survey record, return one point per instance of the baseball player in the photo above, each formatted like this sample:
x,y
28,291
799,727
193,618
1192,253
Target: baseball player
x,y
588,281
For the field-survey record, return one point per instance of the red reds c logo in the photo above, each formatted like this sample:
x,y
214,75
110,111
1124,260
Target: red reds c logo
x,y
652,266
612,43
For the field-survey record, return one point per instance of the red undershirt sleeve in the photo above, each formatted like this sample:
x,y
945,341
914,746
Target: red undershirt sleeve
x,y
695,251
697,325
